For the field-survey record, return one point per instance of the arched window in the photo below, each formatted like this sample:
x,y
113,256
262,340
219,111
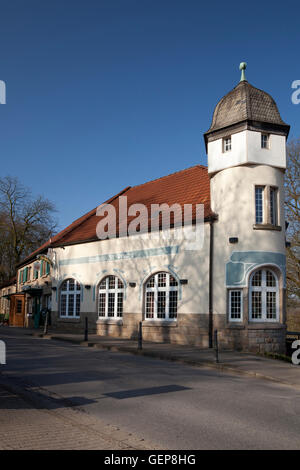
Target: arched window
x,y
110,300
161,296
264,296
70,292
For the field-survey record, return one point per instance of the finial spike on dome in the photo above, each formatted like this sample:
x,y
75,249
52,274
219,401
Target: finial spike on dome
x,y
243,66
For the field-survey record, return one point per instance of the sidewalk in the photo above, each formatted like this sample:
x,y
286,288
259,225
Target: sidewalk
x,y
27,423
229,361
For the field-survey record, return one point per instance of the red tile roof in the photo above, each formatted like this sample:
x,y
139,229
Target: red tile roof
x,y
189,186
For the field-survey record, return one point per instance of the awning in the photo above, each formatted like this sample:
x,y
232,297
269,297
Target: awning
x,y
32,290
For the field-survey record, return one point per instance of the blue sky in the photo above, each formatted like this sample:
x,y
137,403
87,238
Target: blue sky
x,y
110,93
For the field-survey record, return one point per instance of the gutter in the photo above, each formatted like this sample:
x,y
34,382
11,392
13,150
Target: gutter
x,y
210,281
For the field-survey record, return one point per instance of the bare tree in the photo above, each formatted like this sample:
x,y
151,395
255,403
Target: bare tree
x,y
292,204
26,222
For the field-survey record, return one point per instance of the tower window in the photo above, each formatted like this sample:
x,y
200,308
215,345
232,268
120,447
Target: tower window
x,y
259,204
227,144
266,207
273,206
265,140
264,296
235,305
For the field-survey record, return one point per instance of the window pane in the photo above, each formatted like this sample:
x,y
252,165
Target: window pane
x,y
120,284
150,283
256,305
271,281
64,285
264,141
111,304
101,310
273,206
162,280
173,281
161,304
259,205
227,144
77,305
173,304
111,282
235,304
63,303
271,305
149,304
120,304
71,305
71,284
102,284
256,280
19,306
77,286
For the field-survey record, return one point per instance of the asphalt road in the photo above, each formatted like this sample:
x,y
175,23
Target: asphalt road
x,y
172,405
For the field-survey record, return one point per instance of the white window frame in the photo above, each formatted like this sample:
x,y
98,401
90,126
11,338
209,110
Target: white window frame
x,y
231,319
263,289
264,134
273,205
167,289
262,188
227,144
109,290
269,202
66,293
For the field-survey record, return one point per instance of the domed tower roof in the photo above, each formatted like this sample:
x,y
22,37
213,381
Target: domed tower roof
x,y
245,107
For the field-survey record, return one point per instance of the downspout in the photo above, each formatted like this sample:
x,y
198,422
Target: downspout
x,y
210,283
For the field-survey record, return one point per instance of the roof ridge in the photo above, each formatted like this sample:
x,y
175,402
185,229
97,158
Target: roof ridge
x,y
170,174
248,100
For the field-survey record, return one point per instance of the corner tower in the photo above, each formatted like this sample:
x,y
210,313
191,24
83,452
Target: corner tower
x,y
246,148
241,120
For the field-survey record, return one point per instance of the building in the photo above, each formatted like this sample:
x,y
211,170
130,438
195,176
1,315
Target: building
x,y
7,289
34,286
234,281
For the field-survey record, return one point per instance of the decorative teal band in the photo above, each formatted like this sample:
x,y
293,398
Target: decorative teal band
x,y
241,263
166,250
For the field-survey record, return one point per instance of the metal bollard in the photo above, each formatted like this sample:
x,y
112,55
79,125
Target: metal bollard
x,y
140,336
86,330
216,346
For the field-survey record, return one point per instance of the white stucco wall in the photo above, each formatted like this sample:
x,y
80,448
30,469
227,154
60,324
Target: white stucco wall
x,y
246,149
233,199
130,260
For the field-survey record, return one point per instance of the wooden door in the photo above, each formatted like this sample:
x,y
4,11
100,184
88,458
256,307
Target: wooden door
x,y
17,310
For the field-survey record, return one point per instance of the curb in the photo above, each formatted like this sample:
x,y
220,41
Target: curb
x,y
156,355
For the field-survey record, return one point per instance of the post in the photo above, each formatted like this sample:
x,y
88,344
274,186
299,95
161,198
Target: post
x,y
86,330
210,284
216,346
46,323
140,336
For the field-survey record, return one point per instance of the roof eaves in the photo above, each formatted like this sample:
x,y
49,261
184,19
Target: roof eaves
x,y
211,217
